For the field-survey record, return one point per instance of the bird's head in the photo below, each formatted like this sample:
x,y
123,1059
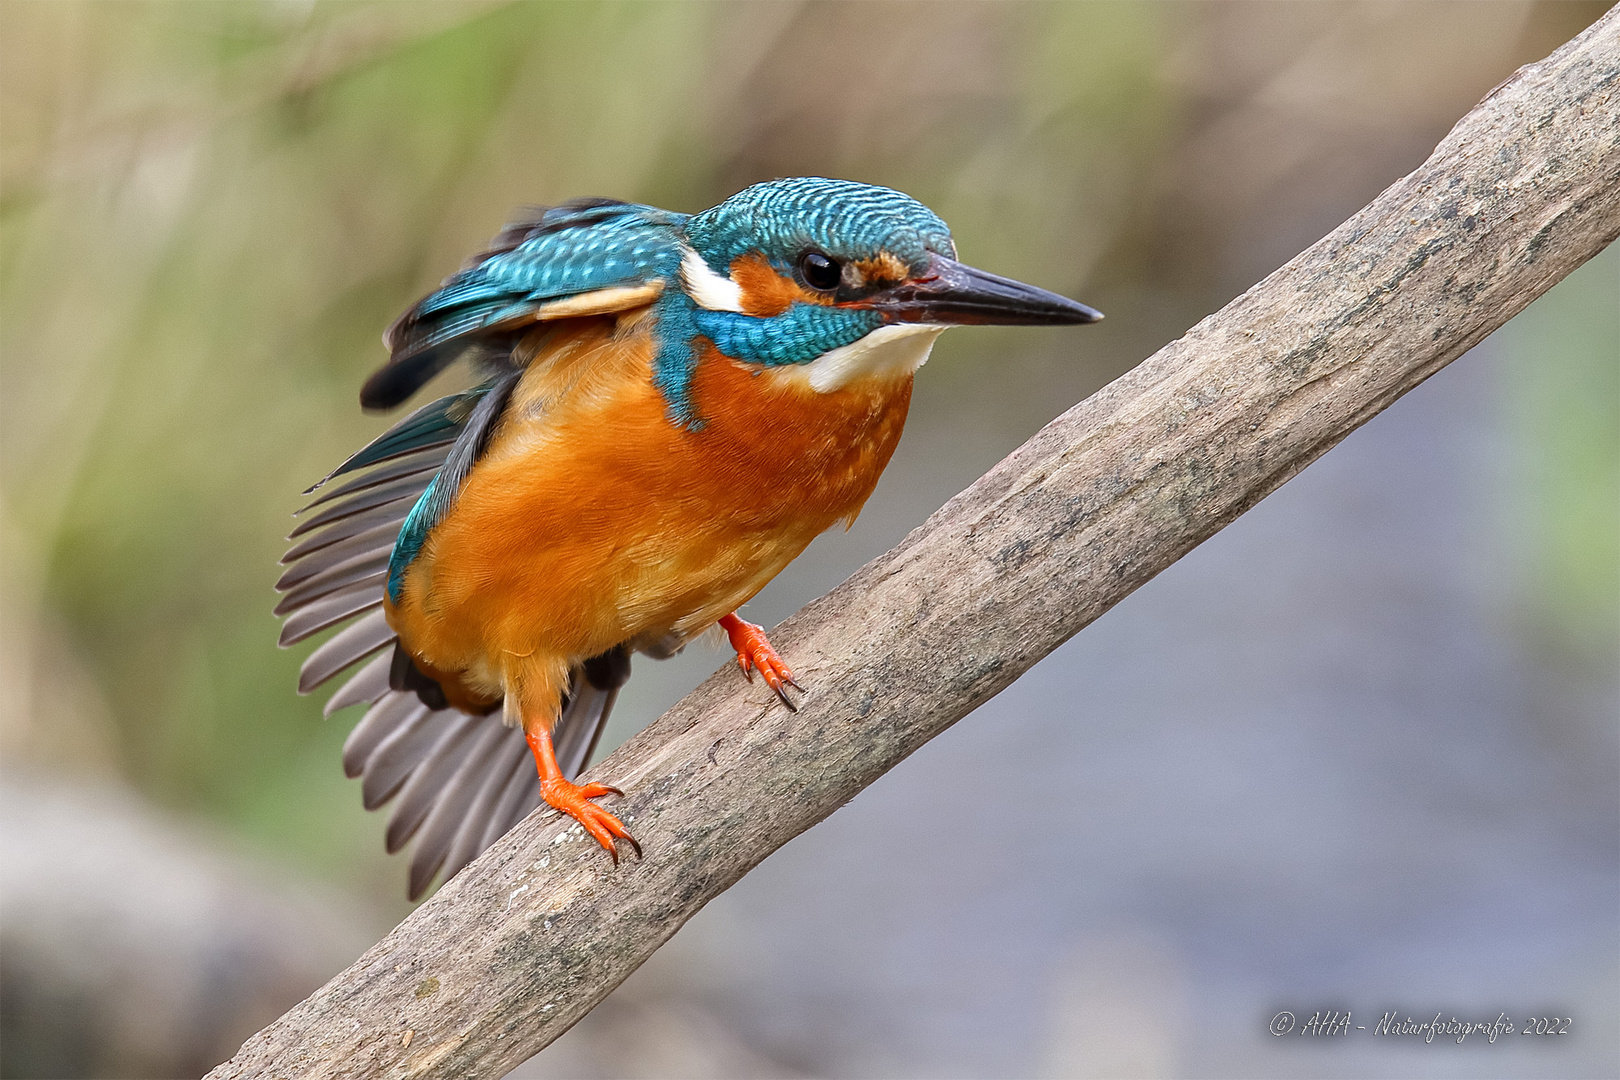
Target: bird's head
x,y
815,266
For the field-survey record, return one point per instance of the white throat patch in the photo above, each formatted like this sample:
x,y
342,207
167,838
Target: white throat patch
x,y
889,351
709,289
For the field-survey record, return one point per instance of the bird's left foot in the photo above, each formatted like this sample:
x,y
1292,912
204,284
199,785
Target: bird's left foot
x,y
755,653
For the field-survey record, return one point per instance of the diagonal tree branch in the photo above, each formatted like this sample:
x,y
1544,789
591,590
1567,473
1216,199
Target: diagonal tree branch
x,y
515,949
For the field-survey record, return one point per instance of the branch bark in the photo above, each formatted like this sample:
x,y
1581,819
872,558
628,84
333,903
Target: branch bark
x,y
520,945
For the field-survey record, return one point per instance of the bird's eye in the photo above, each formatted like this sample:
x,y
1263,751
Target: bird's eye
x,y
819,271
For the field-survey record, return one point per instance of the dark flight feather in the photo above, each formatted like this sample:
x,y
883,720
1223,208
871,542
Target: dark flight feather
x,y
462,781
511,757
333,556
435,424
420,461
442,810
519,799
354,571
377,497
391,515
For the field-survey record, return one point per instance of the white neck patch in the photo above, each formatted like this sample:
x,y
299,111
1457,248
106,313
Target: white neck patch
x,y
887,352
709,289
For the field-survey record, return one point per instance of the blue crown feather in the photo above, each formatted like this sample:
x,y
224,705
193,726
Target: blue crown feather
x,y
781,218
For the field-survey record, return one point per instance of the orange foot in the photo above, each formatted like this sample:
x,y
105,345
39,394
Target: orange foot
x,y
572,799
754,652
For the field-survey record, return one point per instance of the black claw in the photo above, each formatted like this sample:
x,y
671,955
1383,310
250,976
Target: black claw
x,y
793,684
781,693
613,790
632,842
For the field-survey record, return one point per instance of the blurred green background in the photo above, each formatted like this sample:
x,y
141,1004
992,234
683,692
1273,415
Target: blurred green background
x,y
211,210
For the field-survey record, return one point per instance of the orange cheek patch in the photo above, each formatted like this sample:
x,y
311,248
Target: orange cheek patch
x,y
766,292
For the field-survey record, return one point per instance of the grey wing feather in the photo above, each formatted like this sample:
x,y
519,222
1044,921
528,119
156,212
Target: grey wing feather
x,y
392,763
364,570
456,777
449,806
519,799
366,686
356,530
354,642
425,461
338,571
365,500
327,611
462,781
513,759
387,714
432,771
332,564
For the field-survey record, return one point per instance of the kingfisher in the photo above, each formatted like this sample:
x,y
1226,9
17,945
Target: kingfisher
x,y
666,409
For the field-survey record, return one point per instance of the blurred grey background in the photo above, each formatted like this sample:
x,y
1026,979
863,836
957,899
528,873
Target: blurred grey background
x,y
1357,752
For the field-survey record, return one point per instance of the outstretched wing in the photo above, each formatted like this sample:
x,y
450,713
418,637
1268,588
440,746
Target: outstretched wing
x,y
582,258
459,781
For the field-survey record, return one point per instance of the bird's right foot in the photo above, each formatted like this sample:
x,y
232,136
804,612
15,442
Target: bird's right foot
x,y
573,799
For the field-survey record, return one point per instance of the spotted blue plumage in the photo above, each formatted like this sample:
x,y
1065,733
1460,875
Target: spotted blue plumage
x,y
558,252
782,218
569,252
797,336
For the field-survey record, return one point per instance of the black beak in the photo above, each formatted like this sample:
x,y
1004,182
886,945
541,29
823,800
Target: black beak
x,y
956,293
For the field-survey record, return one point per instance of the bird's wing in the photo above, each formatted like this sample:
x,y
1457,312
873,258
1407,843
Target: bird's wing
x,y
584,258
461,780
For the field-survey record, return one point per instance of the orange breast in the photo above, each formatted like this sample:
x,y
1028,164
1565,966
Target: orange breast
x,y
591,520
